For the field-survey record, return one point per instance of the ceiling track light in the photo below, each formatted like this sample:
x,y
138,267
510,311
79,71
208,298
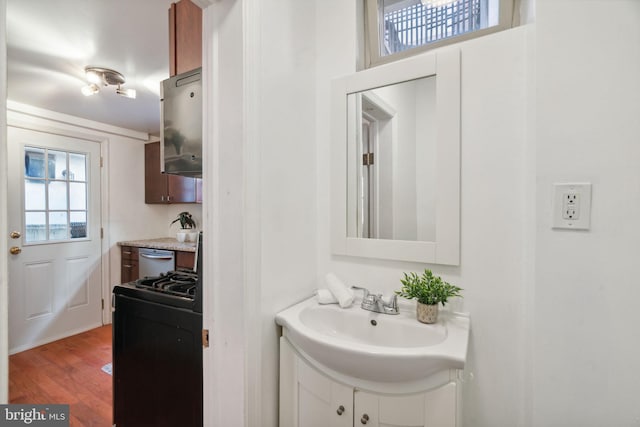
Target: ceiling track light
x,y
98,76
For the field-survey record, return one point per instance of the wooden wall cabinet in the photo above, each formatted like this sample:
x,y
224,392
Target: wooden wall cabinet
x,y
165,188
185,37
185,54
129,264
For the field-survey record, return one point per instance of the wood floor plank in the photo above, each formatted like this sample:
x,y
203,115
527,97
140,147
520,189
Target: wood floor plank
x,y
67,371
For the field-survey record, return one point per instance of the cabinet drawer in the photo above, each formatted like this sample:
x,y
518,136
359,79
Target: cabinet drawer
x,y
129,270
129,253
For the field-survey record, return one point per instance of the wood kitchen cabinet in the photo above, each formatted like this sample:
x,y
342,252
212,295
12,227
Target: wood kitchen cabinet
x,y
185,260
165,188
185,37
129,264
185,54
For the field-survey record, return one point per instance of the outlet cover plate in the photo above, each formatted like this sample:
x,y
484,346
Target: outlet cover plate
x,y
572,206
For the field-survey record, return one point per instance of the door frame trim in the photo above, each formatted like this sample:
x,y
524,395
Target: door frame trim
x,y
4,244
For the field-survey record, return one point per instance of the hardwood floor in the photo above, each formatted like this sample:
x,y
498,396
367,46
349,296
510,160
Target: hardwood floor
x,y
67,371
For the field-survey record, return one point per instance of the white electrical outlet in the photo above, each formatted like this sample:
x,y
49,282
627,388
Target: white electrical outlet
x,y
572,206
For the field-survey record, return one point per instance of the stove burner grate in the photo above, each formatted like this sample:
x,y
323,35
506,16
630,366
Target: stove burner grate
x,y
179,283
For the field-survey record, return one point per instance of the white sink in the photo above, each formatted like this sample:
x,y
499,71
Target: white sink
x,y
373,346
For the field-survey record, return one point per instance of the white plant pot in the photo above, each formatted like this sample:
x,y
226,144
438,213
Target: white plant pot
x,y
181,236
192,235
427,313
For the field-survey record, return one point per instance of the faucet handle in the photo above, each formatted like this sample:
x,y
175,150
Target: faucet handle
x,y
365,291
393,303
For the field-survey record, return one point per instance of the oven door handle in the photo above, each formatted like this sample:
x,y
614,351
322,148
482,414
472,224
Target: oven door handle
x,y
169,257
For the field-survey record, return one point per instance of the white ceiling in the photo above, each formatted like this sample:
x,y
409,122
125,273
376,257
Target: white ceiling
x,y
49,42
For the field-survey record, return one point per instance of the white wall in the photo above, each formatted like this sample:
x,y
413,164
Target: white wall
x,y
230,294
586,367
493,206
261,209
287,171
514,269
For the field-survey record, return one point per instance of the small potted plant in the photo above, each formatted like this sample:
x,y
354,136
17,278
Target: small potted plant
x,y
187,226
429,291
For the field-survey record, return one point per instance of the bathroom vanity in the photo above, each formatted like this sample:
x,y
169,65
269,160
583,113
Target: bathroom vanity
x,y
309,398
350,367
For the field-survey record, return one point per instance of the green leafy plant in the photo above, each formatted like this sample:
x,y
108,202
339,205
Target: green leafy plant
x,y
427,288
185,219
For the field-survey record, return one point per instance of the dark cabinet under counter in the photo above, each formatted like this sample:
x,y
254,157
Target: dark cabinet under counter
x,y
129,267
129,264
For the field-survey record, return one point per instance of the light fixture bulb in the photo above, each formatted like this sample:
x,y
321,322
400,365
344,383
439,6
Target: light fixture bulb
x,y
129,93
94,77
90,89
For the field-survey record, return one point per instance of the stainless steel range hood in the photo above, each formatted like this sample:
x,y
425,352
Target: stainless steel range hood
x,y
181,130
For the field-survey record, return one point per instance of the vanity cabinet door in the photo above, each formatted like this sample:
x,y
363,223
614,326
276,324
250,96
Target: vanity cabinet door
x,y
308,398
436,408
322,402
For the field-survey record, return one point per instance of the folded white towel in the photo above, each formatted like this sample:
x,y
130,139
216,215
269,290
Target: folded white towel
x,y
339,290
324,296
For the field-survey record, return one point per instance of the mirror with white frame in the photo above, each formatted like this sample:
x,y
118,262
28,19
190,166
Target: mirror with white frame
x,y
395,180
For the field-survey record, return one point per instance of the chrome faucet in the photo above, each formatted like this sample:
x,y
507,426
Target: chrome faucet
x,y
377,304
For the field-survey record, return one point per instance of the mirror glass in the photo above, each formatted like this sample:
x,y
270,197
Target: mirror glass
x,y
391,169
395,161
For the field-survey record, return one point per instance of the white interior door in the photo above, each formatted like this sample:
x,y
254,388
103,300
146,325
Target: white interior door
x,y
54,221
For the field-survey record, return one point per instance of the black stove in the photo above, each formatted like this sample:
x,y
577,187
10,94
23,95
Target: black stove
x,y
180,288
182,283
157,349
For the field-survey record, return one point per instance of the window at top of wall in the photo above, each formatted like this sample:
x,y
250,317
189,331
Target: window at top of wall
x,y
399,28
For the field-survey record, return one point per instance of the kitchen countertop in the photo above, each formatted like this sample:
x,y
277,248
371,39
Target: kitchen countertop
x,y
168,243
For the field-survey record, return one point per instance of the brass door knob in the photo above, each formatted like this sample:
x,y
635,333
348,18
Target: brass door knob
x,y
340,410
15,250
15,235
364,418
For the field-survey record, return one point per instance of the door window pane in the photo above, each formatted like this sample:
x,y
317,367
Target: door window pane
x,y
78,222
58,225
36,226
55,195
34,197
34,166
77,167
59,161
77,196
